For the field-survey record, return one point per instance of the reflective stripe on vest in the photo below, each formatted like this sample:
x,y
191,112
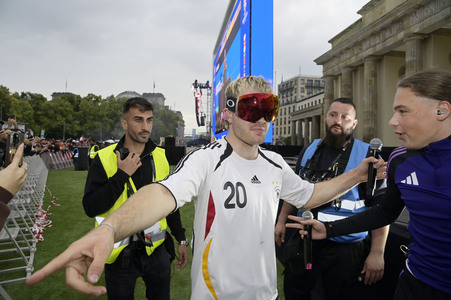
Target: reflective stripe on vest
x,y
158,230
350,202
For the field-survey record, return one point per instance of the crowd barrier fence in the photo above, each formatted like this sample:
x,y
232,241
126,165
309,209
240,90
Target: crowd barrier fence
x,y
57,160
24,226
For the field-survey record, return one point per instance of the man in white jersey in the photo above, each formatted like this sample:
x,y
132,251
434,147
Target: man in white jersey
x,y
236,187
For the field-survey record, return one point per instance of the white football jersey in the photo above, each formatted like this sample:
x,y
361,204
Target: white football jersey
x,y
236,203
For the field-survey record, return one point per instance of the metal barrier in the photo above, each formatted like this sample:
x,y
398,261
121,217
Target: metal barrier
x,y
24,226
57,160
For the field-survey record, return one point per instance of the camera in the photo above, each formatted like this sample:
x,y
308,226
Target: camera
x,y
15,138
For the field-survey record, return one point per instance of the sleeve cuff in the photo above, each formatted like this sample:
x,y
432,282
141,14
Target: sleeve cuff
x,y
5,195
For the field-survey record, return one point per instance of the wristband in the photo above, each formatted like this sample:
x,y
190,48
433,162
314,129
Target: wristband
x,y
183,242
111,226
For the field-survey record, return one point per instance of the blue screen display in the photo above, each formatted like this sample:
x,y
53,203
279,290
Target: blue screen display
x,y
246,48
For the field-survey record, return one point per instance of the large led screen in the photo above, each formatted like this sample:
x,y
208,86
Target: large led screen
x,y
244,47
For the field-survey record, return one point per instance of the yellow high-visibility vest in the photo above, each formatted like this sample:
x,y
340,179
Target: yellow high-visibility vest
x,y
157,231
93,151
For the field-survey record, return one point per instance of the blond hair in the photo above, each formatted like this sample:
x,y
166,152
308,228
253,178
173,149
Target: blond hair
x,y
248,82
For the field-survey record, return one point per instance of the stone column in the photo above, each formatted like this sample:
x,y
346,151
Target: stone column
x,y
370,98
306,131
346,83
299,140
293,131
328,90
315,127
414,53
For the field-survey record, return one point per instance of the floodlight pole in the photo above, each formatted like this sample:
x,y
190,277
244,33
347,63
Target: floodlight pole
x,y
198,87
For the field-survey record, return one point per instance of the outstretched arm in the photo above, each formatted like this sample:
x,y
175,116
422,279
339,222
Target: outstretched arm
x,y
326,191
87,256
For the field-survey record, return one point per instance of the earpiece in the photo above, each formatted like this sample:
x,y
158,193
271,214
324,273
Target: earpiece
x,y
441,111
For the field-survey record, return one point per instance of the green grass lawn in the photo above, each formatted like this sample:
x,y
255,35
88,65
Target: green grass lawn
x,y
70,223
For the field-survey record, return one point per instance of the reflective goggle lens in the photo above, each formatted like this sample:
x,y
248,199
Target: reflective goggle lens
x,y
253,107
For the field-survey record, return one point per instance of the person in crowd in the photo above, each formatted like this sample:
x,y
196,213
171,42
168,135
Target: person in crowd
x,y
12,126
235,186
12,179
93,149
337,262
12,123
75,155
116,173
418,179
31,143
3,138
29,134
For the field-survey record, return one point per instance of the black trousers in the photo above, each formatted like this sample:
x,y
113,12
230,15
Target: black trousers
x,y
132,263
334,275
410,288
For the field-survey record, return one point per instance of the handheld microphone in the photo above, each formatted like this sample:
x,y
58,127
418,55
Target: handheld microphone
x,y
375,149
307,215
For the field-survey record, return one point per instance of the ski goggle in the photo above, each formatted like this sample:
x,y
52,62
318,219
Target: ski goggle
x,y
253,107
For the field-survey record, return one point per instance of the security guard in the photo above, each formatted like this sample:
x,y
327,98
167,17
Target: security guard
x,y
92,150
116,173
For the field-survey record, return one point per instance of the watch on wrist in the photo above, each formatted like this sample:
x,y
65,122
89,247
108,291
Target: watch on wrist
x,y
183,242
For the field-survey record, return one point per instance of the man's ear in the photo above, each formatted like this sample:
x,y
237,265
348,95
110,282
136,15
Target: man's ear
x,y
124,124
443,110
227,114
355,124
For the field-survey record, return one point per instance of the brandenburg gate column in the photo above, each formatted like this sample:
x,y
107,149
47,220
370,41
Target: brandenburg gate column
x,y
315,127
370,98
328,90
346,83
299,141
306,132
293,130
414,55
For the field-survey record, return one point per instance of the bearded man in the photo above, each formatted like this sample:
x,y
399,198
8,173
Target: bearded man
x,y
341,265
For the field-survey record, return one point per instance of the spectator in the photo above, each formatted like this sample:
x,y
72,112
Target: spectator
x,y
12,179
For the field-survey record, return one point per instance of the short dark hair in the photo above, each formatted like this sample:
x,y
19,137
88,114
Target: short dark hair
x,y
344,101
137,102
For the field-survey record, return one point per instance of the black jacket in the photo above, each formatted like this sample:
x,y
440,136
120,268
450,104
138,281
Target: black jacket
x,y
102,192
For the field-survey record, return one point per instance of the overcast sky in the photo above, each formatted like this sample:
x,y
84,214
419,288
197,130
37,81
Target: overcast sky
x,y
105,47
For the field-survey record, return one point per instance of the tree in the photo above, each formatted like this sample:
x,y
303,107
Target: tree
x,y
165,123
23,112
112,110
89,116
58,118
5,103
36,101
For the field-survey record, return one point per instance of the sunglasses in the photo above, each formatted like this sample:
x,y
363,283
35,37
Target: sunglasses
x,y
253,107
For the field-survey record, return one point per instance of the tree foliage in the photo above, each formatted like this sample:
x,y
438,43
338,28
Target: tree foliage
x,y
72,116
